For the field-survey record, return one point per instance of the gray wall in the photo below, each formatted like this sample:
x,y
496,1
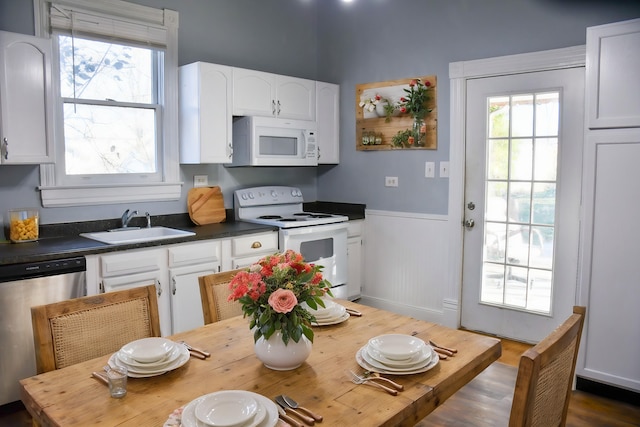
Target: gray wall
x,y
365,41
376,40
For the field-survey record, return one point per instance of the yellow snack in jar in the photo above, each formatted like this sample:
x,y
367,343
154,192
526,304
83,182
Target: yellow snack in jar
x,y
26,229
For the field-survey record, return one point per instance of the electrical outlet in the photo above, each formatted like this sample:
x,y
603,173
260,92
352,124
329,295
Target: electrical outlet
x,y
429,169
200,181
444,169
390,181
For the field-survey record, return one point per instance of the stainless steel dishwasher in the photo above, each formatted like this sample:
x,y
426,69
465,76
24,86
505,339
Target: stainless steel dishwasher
x,y
21,287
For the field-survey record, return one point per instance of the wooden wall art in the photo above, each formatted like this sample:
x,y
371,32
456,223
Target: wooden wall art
x,y
380,123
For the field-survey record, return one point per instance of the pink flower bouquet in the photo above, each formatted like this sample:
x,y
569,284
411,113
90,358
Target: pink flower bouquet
x,y
271,291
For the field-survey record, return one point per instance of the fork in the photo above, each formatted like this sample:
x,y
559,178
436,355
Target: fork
x,y
357,379
376,376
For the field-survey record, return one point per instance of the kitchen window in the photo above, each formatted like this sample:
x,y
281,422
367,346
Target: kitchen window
x,y
116,121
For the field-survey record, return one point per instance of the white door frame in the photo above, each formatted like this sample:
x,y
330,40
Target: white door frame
x,y
459,73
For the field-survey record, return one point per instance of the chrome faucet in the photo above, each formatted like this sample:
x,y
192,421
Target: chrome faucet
x,y
126,217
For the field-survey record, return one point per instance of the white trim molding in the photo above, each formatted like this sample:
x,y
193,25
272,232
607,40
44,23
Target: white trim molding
x,y
459,73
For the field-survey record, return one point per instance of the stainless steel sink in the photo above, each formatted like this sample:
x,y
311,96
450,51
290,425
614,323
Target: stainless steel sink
x,y
136,235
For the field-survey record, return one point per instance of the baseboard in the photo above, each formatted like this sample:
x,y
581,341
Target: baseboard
x,y
608,391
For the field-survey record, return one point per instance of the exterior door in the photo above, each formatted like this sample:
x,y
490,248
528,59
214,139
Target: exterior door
x,y
524,136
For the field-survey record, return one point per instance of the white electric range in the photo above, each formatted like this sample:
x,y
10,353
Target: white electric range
x,y
321,238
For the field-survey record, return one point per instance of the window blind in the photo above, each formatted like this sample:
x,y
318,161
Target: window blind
x,y
76,19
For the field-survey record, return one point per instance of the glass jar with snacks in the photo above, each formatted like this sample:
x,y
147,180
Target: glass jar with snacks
x,y
24,225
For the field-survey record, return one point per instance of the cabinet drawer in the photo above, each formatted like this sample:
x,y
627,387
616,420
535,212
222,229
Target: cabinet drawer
x,y
355,228
255,244
131,262
194,253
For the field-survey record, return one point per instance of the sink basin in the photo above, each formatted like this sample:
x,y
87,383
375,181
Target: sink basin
x,y
137,235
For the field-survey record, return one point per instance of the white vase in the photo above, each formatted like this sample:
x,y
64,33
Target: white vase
x,y
274,354
380,111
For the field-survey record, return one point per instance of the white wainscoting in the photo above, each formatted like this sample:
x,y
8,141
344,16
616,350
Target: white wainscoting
x,y
405,263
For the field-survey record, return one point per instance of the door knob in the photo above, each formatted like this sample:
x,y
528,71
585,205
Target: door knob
x,y
469,224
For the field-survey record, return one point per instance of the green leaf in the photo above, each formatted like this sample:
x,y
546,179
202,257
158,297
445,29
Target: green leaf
x,y
308,332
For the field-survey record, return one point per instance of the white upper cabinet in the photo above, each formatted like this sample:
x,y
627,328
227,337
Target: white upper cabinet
x,y
205,113
613,75
256,93
328,121
26,104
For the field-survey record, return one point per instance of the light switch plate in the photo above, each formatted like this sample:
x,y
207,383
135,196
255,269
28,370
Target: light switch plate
x,y
444,169
200,181
429,169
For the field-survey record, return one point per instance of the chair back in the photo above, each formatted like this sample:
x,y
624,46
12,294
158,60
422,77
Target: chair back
x,y
214,293
80,329
545,376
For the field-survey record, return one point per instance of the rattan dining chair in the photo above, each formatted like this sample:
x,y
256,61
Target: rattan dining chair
x,y
543,386
214,291
81,329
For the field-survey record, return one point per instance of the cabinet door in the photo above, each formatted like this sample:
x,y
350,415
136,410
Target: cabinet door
x,y
254,93
26,101
186,304
613,85
295,98
609,268
328,121
143,267
205,113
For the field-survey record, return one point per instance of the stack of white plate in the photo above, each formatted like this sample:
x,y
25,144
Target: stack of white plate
x,y
148,357
397,354
332,313
230,408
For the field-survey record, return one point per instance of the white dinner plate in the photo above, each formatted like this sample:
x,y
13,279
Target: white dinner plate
x,y
397,346
170,358
328,322
133,373
227,408
364,364
373,362
267,411
148,350
421,357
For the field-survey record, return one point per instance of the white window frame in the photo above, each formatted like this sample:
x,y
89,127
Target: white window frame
x,y
162,27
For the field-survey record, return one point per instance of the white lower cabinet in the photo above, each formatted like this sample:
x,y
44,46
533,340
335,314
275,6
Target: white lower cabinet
x,y
135,268
174,270
187,262
354,256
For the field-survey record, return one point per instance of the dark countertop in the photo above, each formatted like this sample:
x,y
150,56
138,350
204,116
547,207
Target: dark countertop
x,y
63,240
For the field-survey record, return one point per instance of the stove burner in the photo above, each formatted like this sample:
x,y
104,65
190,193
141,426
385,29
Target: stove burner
x,y
270,217
312,215
289,219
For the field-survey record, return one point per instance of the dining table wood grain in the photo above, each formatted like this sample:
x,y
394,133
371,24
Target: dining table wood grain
x,y
70,397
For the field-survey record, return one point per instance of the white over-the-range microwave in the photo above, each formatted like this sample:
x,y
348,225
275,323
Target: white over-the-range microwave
x,y
271,141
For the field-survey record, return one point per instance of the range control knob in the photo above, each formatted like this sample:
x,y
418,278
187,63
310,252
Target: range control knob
x,y
250,195
274,194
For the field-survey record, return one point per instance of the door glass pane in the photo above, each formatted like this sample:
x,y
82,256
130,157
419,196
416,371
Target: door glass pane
x,y
522,151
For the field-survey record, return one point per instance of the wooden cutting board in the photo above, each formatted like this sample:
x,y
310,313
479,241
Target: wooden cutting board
x,y
206,205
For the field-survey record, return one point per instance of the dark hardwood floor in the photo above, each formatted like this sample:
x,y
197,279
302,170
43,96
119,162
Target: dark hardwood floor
x,y
585,409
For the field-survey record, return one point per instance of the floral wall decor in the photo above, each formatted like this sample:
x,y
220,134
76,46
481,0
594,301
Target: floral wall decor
x,y
397,114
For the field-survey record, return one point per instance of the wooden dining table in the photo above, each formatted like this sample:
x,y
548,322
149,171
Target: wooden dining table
x,y
71,397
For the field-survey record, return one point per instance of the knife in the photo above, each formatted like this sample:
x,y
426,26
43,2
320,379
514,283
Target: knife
x,y
100,377
286,418
353,312
280,401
